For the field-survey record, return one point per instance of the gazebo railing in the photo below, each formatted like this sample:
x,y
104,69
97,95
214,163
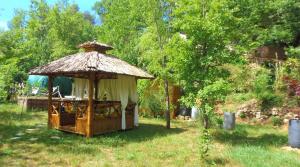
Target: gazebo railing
x,y
107,115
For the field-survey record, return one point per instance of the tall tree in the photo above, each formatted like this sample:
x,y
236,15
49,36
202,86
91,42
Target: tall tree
x,y
139,29
159,27
38,36
123,22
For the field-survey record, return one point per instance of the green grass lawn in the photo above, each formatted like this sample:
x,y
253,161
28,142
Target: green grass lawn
x,y
26,141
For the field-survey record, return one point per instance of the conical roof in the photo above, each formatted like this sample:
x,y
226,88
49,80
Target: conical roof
x,y
84,62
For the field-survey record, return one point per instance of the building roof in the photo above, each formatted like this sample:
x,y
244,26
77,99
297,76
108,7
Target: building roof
x,y
90,61
268,53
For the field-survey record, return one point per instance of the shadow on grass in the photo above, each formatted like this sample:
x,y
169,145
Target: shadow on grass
x,y
7,115
144,132
28,132
241,136
54,140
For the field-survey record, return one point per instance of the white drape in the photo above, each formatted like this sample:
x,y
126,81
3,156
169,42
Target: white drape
x,y
122,89
79,88
108,88
134,98
124,95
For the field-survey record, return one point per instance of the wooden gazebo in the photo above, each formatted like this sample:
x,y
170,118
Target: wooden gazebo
x,y
109,84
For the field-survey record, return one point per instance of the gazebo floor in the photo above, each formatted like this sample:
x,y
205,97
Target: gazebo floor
x,y
67,128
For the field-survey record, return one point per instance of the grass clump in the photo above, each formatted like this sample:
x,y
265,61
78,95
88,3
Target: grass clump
x,y
276,121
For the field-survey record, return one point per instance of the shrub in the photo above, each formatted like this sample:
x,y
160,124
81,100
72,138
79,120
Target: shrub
x,y
262,83
151,97
242,115
277,121
269,99
219,121
254,120
264,91
292,102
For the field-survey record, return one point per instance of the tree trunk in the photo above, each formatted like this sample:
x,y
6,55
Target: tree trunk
x,y
167,114
160,33
50,90
205,121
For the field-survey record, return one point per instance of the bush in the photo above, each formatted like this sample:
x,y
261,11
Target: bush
x,y
242,115
264,91
151,97
219,121
241,97
293,102
269,99
262,83
276,121
254,120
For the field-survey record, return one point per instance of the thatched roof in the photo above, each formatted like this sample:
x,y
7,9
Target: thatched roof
x,y
95,46
85,62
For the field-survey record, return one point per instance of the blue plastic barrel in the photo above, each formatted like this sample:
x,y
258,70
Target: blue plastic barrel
x,y
229,120
294,133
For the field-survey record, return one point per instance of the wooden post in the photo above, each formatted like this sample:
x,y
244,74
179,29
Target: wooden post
x,y
90,114
50,90
96,88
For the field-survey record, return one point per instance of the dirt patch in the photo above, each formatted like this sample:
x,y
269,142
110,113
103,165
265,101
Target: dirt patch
x,y
288,148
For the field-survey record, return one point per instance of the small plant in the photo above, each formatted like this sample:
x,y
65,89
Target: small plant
x,y
242,115
276,121
205,141
219,121
205,101
254,120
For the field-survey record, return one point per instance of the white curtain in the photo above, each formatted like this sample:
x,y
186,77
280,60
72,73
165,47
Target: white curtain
x,y
124,95
108,88
79,88
134,98
104,90
121,89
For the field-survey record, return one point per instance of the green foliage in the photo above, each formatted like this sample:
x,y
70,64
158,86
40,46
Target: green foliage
x,y
270,99
239,98
276,121
198,38
214,92
205,141
219,121
242,78
254,120
264,91
37,36
209,96
151,98
123,22
262,83
293,102
242,115
292,68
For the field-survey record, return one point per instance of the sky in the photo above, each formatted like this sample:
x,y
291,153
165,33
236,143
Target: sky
x,y
7,8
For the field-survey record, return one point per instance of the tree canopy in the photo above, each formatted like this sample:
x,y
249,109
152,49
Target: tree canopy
x,y
39,35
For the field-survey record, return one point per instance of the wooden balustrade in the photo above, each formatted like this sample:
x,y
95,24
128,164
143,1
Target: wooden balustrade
x,y
107,116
